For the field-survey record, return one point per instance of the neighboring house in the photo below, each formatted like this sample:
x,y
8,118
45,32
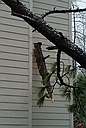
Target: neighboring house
x,y
19,85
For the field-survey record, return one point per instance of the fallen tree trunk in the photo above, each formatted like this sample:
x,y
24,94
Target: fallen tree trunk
x,y
61,42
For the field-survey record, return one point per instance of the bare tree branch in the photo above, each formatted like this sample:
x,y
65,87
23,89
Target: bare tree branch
x,y
58,70
63,11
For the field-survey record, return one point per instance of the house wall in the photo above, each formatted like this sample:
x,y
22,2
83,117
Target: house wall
x,y
14,70
52,114
17,109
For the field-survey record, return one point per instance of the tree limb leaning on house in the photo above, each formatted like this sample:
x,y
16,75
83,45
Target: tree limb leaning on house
x,y
61,42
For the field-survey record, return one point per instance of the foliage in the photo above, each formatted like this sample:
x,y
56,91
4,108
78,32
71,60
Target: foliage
x,y
43,91
79,100
78,90
66,73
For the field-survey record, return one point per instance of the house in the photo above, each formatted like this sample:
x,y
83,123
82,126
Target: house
x,y
19,76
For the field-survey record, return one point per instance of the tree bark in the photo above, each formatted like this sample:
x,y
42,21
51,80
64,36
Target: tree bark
x,y
42,67
61,42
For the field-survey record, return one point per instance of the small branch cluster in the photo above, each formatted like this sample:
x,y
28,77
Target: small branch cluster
x,y
48,89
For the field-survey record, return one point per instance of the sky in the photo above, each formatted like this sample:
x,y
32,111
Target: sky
x,y
81,3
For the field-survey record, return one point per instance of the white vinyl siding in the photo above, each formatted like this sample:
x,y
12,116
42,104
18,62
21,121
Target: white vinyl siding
x,y
18,100
14,70
52,114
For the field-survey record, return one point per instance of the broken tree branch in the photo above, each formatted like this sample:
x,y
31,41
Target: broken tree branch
x,y
42,67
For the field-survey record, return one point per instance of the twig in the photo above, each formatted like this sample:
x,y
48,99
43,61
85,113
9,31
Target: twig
x,y
58,71
74,62
63,11
51,48
46,57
